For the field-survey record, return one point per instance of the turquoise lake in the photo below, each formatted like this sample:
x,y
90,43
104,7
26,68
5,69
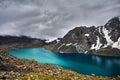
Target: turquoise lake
x,y
81,63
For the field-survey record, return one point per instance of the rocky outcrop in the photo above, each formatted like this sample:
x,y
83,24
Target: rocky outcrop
x,y
101,40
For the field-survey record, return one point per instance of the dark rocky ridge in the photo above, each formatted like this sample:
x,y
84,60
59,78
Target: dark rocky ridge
x,y
101,40
20,42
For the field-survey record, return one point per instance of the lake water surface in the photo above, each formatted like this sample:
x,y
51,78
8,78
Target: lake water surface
x,y
81,63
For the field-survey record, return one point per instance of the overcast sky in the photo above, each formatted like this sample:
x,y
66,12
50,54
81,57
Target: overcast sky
x,y
49,19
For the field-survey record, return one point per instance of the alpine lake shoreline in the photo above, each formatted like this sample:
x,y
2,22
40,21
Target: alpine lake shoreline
x,y
12,68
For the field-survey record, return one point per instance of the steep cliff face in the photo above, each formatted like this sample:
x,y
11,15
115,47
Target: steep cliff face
x,y
102,40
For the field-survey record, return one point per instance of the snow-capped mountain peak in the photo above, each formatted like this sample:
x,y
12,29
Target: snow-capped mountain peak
x,y
104,40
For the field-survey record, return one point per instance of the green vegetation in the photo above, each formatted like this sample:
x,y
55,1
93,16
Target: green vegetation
x,y
68,75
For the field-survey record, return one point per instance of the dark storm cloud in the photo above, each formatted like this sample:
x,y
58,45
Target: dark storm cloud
x,y
53,18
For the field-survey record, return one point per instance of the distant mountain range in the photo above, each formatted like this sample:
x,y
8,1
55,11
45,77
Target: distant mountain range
x,y
15,42
101,40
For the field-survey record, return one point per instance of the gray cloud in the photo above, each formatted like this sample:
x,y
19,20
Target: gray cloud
x,y
50,19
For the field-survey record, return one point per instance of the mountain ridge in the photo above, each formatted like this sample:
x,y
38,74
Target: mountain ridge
x,y
101,40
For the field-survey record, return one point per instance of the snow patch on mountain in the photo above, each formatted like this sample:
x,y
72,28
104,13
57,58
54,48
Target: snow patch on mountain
x,y
107,37
87,35
61,46
68,44
116,44
99,30
104,46
57,41
75,44
98,44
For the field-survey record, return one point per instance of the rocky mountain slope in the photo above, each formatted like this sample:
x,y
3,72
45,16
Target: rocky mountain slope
x,y
101,40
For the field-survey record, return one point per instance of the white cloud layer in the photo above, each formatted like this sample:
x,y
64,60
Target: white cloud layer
x,y
49,19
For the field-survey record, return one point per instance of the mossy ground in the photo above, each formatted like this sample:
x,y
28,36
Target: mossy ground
x,y
68,75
